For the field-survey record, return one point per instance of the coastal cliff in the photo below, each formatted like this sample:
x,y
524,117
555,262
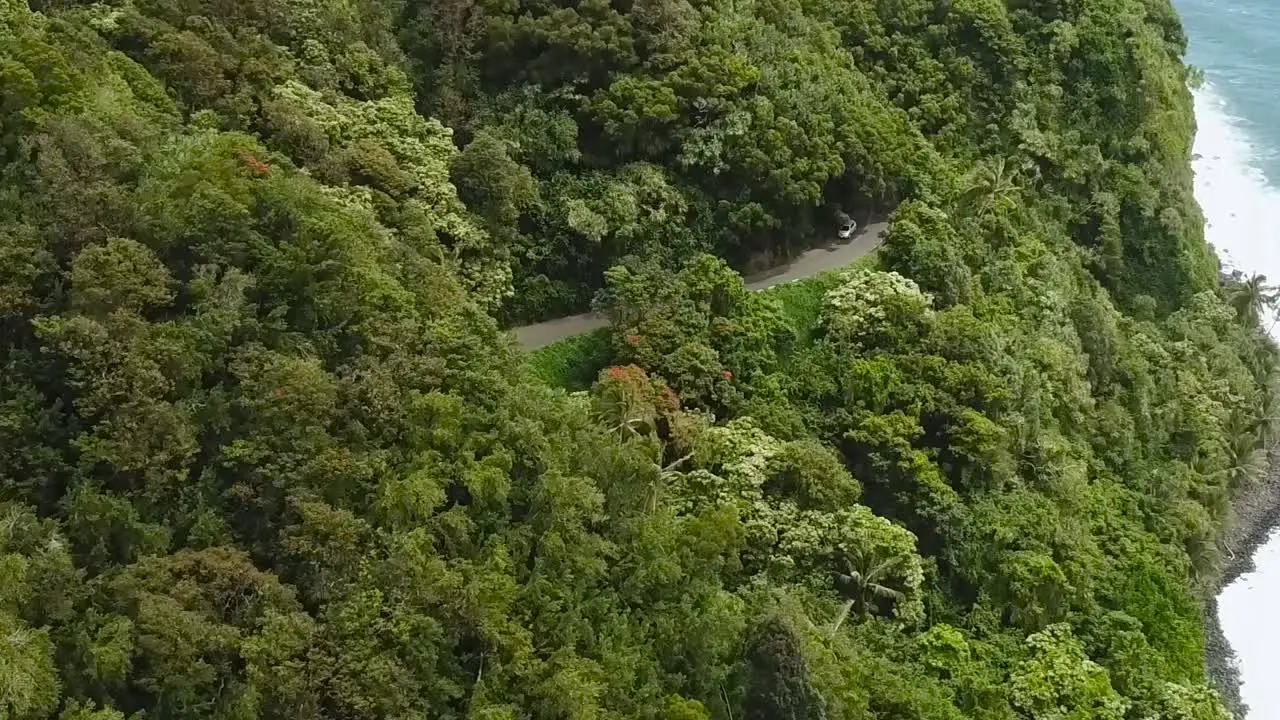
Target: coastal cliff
x,y
268,448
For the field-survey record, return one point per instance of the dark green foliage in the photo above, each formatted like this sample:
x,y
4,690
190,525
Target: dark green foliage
x,y
742,123
265,451
778,685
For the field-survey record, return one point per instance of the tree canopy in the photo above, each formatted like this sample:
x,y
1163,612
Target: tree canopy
x,y
267,451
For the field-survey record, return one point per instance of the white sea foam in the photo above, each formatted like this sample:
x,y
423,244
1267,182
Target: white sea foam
x,y
1241,207
1242,211
1246,611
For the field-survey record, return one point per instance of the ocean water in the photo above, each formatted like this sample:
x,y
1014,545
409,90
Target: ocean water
x,y
1237,168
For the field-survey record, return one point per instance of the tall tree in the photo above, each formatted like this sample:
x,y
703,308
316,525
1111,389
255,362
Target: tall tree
x,y
778,684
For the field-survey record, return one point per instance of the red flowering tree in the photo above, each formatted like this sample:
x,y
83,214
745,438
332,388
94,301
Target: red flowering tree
x,y
256,167
628,399
699,329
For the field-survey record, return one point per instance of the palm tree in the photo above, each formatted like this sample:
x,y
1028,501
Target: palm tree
x,y
1252,433
1252,297
1264,357
664,476
623,407
1246,460
1267,414
863,584
991,186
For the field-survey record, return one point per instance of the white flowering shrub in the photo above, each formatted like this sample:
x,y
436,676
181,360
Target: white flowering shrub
x,y
733,459
869,560
1059,681
840,547
422,149
1190,702
868,304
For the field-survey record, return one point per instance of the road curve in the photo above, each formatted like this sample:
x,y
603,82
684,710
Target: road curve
x,y
807,264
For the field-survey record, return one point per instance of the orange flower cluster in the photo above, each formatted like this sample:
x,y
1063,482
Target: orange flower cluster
x,y
638,383
256,166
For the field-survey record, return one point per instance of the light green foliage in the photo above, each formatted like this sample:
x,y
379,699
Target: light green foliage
x,y
869,306
76,711
572,363
740,453
873,563
1179,702
385,145
28,681
34,570
1059,682
801,518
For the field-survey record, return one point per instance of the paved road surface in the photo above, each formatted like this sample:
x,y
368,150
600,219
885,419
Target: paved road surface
x,y
809,263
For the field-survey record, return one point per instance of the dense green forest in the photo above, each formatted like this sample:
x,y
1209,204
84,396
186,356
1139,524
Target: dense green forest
x,y
266,450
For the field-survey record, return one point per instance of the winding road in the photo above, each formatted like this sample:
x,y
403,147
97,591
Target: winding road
x,y
809,263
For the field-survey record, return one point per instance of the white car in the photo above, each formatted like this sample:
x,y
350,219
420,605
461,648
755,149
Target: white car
x,y
847,229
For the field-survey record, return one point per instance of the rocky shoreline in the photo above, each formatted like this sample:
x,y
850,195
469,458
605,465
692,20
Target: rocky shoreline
x,y
1257,513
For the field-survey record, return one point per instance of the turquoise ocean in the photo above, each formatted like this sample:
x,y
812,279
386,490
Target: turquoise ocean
x,y
1237,162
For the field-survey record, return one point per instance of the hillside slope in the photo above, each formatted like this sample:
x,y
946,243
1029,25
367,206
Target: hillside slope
x,y
265,450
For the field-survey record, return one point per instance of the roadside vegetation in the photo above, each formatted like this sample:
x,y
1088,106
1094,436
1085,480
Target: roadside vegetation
x,y
574,363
